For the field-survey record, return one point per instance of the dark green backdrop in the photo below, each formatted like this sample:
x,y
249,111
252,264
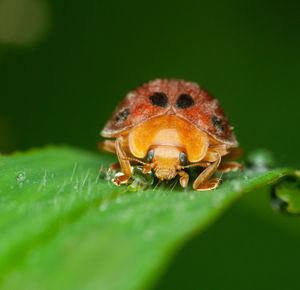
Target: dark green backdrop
x,y
63,88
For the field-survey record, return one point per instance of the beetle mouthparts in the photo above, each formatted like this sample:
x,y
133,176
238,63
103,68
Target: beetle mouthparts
x,y
165,173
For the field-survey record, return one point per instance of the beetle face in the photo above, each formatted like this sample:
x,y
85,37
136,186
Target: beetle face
x,y
165,160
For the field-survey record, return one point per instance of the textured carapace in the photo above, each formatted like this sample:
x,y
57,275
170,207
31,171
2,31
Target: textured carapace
x,y
184,99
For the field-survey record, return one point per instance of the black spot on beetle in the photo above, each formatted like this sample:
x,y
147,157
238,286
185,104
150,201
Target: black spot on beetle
x,y
123,115
218,124
184,101
159,99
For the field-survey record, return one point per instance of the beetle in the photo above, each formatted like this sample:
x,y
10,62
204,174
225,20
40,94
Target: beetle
x,y
169,125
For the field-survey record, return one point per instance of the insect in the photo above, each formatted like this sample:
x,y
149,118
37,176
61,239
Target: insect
x,y
169,125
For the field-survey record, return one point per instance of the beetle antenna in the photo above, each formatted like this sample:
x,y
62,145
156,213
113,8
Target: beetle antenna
x,y
201,164
134,159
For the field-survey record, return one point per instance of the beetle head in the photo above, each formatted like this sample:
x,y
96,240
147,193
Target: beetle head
x,y
165,160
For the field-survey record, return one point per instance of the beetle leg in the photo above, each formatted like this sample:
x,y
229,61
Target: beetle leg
x,y
202,183
230,166
226,153
212,156
213,149
114,166
147,168
125,164
234,153
210,184
107,145
184,179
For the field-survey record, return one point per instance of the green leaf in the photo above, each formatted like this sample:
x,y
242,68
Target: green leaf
x,y
63,227
286,195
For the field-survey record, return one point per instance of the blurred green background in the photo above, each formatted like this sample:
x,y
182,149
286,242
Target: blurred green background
x,y
65,65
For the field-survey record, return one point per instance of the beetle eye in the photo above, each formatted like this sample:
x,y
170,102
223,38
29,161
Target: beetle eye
x,y
150,155
183,158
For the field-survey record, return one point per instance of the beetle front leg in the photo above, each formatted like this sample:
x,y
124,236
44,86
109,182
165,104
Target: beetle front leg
x,y
125,164
202,183
184,179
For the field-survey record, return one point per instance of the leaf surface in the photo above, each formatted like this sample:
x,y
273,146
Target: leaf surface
x,y
62,227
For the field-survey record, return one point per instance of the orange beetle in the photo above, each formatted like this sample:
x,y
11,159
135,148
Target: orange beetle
x,y
169,125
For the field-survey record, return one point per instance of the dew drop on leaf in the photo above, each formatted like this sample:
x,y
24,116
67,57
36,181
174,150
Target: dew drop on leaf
x,y
21,176
103,207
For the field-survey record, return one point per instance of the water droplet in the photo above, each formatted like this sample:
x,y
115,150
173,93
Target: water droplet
x,y
236,185
218,200
103,207
21,176
192,196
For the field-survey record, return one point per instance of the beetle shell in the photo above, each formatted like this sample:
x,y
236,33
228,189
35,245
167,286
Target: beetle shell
x,y
184,99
